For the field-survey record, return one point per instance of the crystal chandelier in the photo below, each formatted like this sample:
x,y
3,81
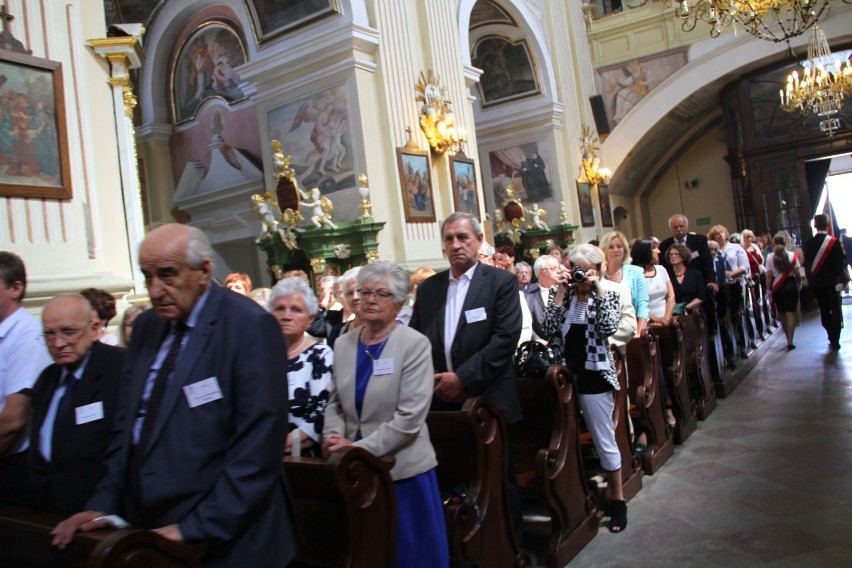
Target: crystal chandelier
x,y
772,20
825,81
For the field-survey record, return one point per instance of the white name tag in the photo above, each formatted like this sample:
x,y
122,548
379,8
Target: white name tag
x,y
202,392
383,367
89,412
694,254
475,315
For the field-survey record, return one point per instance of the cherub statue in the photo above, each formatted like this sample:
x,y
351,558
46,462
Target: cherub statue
x,y
322,207
266,211
537,214
499,222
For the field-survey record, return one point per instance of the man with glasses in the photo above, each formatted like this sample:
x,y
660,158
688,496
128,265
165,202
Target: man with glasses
x,y
22,358
74,402
546,269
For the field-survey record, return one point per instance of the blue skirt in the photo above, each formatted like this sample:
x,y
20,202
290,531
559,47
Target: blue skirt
x,y
421,534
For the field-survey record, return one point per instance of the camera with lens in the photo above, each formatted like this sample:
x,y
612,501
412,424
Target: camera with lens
x,y
578,274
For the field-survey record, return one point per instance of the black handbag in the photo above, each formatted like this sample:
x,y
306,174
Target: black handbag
x,y
532,358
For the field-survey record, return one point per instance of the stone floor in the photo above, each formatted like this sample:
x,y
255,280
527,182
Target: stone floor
x,y
765,481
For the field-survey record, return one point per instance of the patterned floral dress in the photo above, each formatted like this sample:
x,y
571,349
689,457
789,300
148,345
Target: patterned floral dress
x,y
309,379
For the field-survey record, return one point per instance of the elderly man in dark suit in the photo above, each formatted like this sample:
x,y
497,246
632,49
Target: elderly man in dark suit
x,y
701,259
202,419
73,407
546,269
472,317
825,266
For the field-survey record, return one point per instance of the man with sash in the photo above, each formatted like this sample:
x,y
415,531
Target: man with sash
x,y
825,265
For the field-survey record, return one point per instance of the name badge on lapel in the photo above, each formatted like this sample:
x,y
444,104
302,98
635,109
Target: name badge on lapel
x,y
475,315
89,412
202,392
383,367
694,254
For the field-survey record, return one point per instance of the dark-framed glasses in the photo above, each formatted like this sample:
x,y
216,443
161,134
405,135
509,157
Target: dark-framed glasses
x,y
380,295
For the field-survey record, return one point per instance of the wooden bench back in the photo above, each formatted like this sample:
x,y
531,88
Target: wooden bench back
x,y
346,509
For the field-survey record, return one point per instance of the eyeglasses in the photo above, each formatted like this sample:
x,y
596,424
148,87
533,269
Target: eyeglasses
x,y
381,295
69,334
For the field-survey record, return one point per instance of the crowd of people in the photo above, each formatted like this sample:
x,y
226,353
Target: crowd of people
x,y
179,423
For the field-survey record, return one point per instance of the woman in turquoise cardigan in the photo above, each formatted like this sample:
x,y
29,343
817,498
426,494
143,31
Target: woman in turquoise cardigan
x,y
618,269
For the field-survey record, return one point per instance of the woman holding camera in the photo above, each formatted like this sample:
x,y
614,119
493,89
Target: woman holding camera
x,y
586,313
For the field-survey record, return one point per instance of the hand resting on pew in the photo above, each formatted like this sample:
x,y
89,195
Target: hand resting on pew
x,y
86,521
333,443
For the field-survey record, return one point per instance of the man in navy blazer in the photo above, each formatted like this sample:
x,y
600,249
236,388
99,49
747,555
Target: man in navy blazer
x,y
73,407
202,420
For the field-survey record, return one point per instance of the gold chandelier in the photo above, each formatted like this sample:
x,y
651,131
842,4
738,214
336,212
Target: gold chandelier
x,y
772,20
825,81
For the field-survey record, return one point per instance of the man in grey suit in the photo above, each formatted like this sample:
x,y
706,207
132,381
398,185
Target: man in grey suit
x,y
202,420
546,269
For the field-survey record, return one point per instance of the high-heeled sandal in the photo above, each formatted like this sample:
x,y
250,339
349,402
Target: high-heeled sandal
x,y
618,520
671,420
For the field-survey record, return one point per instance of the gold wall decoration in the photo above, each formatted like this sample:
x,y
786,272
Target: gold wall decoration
x,y
436,117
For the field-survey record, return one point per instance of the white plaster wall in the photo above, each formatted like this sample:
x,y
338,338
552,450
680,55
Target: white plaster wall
x,y
69,245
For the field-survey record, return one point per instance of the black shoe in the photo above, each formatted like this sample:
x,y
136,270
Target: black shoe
x,y
835,347
618,520
791,347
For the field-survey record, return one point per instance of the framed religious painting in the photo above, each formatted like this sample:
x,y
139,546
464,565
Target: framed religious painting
x,y
605,205
415,177
463,172
204,68
587,210
33,133
275,17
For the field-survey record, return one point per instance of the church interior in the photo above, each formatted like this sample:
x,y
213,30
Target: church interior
x,y
320,135
166,110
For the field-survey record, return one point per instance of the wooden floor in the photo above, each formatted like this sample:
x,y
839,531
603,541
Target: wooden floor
x,y
765,481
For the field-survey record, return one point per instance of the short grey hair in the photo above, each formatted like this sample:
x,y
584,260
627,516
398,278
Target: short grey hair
x,y
348,276
542,260
198,249
522,264
395,277
590,254
474,222
288,286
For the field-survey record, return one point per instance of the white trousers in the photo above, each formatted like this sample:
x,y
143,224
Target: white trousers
x,y
597,411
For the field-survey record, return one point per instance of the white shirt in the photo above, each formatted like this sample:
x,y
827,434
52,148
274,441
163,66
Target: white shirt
x,y
657,290
23,356
456,293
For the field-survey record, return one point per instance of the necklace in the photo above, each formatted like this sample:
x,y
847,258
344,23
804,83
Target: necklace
x,y
297,349
612,276
376,347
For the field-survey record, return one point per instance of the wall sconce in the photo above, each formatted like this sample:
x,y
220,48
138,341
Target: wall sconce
x,y
593,171
436,118
691,183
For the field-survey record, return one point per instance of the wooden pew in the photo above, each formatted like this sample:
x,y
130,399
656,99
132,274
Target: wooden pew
x,y
697,340
25,543
673,363
631,464
549,463
346,509
643,373
471,446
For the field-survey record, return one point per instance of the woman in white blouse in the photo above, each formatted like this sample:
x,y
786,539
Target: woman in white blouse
x,y
661,297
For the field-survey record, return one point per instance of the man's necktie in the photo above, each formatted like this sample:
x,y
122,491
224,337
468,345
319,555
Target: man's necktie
x,y
152,408
65,403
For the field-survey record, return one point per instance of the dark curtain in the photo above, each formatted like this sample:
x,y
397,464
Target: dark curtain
x,y
816,173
